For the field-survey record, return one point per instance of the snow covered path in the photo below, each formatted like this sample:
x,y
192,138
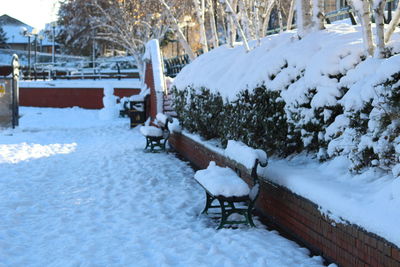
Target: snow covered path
x,y
76,191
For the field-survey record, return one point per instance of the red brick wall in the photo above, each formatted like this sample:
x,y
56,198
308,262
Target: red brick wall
x,y
298,218
122,92
149,81
90,98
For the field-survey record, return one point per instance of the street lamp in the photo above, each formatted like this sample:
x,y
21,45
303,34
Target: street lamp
x,y
35,34
53,50
24,32
41,37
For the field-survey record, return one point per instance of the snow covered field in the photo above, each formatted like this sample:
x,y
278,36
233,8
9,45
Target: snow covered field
x,y
75,190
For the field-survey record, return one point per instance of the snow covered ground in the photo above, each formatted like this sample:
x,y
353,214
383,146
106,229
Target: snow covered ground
x,y
76,190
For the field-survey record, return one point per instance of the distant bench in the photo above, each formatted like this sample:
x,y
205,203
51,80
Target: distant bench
x,y
157,136
226,186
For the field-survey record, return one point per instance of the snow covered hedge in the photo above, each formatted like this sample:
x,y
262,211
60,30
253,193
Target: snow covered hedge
x,y
321,94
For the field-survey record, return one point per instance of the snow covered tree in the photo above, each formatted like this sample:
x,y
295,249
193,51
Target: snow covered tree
x,y
318,15
3,38
362,9
75,24
173,17
130,24
303,16
213,23
290,15
200,7
393,24
379,9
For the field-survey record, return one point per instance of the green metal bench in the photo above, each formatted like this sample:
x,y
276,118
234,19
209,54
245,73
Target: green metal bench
x,y
157,136
228,203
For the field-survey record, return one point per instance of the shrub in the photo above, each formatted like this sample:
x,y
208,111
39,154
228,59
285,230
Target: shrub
x,y
256,118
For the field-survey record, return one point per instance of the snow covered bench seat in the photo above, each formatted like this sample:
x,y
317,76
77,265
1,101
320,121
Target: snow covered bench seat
x,y
226,186
157,136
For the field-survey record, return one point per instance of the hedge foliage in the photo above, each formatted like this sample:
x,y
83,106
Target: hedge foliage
x,y
369,137
256,118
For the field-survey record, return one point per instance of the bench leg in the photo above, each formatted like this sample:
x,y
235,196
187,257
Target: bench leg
x,y
229,209
249,216
165,145
209,200
224,215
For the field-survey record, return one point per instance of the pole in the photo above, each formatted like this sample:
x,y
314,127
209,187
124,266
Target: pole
x,y
34,66
29,57
94,57
53,48
15,90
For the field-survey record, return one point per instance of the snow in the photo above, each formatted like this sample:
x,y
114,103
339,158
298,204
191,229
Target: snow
x,y
81,191
220,181
369,200
110,110
13,34
321,70
151,131
162,118
175,126
282,62
244,154
123,83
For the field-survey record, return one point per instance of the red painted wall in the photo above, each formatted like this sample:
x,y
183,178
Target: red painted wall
x,y
89,98
126,92
149,81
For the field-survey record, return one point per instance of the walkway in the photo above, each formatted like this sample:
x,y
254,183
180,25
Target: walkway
x,y
76,191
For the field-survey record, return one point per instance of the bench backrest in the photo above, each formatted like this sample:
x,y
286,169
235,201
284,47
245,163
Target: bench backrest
x,y
255,190
163,126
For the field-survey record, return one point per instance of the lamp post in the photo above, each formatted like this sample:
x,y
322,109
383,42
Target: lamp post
x,y
94,54
53,50
41,37
24,32
35,35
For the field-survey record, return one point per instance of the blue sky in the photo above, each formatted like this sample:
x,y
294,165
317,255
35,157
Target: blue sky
x,y
35,13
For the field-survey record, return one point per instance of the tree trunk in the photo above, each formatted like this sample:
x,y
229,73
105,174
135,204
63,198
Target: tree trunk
x,y
213,25
303,17
200,7
290,16
365,17
318,15
238,27
379,9
139,63
257,23
244,19
393,24
266,18
181,36
279,6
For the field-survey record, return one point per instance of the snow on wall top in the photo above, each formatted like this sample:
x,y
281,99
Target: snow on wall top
x,y
276,61
244,154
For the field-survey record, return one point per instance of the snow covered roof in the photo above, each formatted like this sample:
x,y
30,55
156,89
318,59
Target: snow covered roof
x,y
12,28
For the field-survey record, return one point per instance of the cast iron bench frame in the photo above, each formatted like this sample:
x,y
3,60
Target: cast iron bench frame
x,y
227,204
159,141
